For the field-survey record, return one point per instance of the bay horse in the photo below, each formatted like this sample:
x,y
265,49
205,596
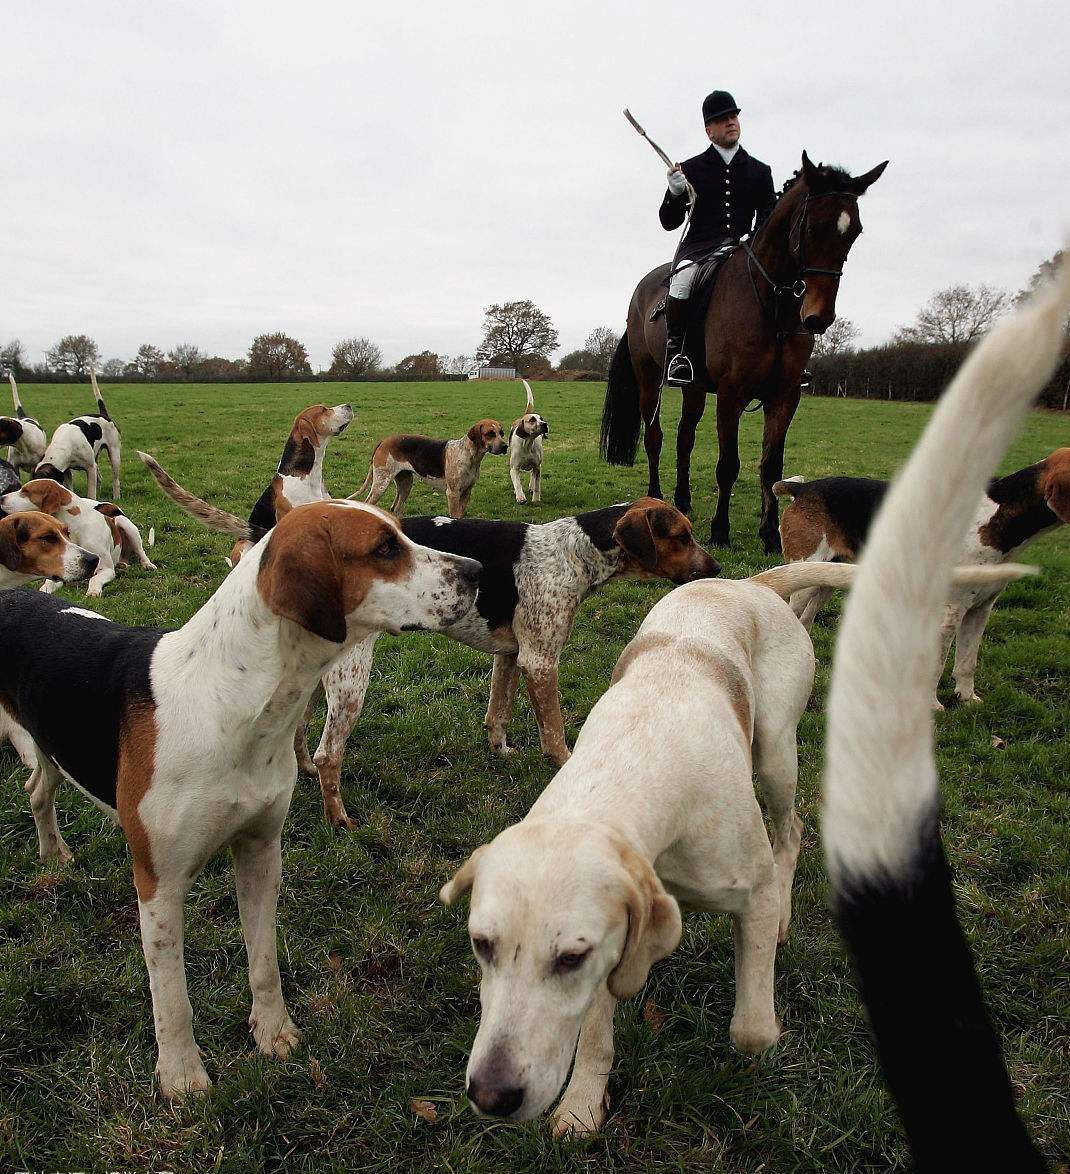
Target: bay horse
x,y
772,295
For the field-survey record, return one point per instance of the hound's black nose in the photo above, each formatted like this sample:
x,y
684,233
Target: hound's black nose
x,y
493,1100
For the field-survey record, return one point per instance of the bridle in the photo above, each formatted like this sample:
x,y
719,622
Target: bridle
x,y
796,252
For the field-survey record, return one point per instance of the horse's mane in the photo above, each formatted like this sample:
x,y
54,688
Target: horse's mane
x,y
830,177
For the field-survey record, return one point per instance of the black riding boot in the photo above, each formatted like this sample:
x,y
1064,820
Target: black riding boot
x,y
679,371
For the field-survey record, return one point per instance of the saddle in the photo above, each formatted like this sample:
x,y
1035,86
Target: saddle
x,y
702,288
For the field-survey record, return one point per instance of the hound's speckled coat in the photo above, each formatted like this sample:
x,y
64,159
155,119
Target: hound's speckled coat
x,y
533,580
187,736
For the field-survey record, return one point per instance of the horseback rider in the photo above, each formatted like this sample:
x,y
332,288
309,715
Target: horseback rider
x,y
734,194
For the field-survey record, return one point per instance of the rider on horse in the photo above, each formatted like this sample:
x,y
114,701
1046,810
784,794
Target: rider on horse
x,y
734,194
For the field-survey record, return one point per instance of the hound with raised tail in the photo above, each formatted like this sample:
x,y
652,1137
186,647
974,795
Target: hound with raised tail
x,y
891,884
448,466
297,481
571,907
525,449
534,578
187,736
831,517
98,526
27,441
76,445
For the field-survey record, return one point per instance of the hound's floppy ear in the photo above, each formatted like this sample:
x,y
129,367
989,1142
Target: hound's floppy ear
x,y
475,435
654,926
49,495
299,579
304,429
634,535
1056,484
861,182
10,552
462,879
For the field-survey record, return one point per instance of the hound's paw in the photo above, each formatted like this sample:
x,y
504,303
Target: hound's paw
x,y
937,705
150,566
559,757
55,851
580,1112
973,699
94,592
181,1074
751,1034
275,1034
520,499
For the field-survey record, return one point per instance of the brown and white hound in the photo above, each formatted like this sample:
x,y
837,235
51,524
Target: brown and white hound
x,y
526,449
297,481
450,466
187,736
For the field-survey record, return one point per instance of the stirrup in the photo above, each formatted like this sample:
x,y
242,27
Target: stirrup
x,y
680,372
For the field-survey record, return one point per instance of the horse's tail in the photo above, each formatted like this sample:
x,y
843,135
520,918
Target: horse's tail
x,y
620,413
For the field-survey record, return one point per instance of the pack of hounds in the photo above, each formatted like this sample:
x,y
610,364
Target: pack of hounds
x,y
192,739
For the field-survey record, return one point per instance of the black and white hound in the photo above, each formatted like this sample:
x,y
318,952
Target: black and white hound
x,y
891,882
77,444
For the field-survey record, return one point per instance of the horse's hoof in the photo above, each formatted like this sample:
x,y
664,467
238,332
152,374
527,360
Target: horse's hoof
x,y
771,542
683,504
719,537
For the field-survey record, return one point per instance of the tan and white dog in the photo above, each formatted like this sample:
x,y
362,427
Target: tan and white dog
x,y
525,449
572,906
36,546
187,736
97,526
448,466
27,441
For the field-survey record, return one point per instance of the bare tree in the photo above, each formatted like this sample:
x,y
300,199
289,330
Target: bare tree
x,y
13,358
112,368
837,340
425,365
74,354
519,332
959,313
147,362
273,356
462,365
185,359
354,358
602,344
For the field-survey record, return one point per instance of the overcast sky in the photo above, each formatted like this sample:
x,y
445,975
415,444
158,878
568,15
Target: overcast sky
x,y
204,172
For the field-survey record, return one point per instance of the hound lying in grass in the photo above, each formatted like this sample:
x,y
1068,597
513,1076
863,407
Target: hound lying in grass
x,y
572,906
891,883
187,736
98,526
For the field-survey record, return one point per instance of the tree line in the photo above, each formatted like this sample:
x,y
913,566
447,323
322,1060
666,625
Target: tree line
x,y
916,364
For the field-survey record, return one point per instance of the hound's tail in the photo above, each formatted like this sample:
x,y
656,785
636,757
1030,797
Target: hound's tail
x,y
358,495
213,518
20,411
799,576
531,398
789,487
101,405
891,885
621,416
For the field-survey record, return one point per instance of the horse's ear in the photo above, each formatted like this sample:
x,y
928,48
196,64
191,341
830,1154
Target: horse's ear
x,y
809,170
860,183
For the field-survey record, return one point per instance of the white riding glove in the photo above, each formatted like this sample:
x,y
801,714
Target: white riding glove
x,y
677,182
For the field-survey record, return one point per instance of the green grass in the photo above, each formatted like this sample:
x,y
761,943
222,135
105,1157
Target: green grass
x,y
380,976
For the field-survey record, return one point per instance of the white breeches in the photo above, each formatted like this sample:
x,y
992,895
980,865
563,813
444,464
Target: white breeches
x,y
682,280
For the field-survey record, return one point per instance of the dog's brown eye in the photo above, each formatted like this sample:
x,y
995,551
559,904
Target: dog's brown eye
x,y
388,548
483,947
565,963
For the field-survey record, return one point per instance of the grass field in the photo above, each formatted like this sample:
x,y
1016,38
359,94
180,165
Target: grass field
x,y
380,976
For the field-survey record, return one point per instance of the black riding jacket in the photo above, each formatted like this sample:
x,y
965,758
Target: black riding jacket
x,y
732,199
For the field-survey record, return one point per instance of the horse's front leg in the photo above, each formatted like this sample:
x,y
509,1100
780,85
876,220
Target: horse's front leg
x,y
729,409
779,412
694,406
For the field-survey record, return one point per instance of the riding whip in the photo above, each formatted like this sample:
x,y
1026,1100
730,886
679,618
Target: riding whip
x,y
661,154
